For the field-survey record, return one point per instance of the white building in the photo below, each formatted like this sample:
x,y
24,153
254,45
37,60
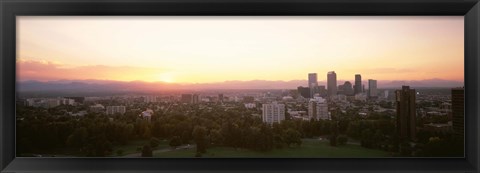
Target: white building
x,y
147,115
273,113
49,102
65,101
116,109
318,109
150,99
250,105
360,97
97,108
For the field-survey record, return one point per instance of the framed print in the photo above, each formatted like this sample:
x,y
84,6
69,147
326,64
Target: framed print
x,y
239,86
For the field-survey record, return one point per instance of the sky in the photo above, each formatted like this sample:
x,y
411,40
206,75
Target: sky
x,y
208,49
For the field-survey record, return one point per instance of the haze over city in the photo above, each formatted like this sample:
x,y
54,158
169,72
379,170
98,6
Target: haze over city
x,y
251,87
213,50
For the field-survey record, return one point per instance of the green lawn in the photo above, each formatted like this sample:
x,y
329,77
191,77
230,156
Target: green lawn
x,y
309,148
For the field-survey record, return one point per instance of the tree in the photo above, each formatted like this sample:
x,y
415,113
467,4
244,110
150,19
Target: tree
x,y
342,140
154,142
119,152
200,137
78,138
292,137
147,151
216,137
175,142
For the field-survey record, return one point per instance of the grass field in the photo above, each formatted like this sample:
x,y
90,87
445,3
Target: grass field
x,y
309,148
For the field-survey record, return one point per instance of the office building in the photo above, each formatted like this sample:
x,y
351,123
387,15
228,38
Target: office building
x,y
111,110
331,83
358,84
304,91
312,79
348,89
372,89
313,83
458,113
318,109
273,113
406,114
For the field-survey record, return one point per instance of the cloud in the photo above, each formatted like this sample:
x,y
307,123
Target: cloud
x,y
42,70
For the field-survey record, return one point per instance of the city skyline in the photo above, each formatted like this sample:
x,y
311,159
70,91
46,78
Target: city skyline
x,y
241,48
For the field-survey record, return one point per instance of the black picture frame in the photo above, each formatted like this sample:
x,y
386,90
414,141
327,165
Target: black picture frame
x,y
470,9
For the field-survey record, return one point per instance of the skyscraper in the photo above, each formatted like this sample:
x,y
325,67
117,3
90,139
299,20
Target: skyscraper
x,y
312,78
372,88
358,84
273,113
332,83
458,111
313,83
406,114
347,88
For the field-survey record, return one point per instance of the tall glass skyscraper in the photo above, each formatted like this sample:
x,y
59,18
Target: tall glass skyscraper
x,y
358,84
372,88
312,83
332,83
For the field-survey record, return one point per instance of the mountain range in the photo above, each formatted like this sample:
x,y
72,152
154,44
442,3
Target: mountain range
x,y
120,86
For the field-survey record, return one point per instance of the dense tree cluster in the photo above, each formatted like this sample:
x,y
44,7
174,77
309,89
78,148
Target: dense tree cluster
x,y
46,130
52,130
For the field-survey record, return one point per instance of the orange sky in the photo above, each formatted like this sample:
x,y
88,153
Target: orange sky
x,y
215,49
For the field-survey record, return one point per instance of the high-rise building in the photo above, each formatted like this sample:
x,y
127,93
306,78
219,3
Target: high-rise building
x,y
312,78
332,83
318,109
273,113
358,84
312,83
406,113
458,114
347,88
372,88
116,109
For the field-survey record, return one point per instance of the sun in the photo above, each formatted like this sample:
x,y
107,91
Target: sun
x,y
166,77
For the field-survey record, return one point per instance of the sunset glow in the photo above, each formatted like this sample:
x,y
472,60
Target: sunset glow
x,y
217,49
